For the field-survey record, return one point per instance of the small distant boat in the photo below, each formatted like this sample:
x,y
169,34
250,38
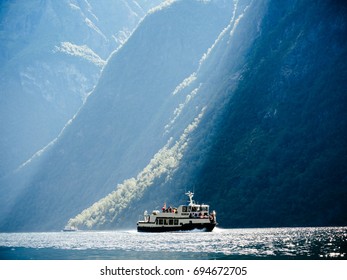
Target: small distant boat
x,y
185,217
70,228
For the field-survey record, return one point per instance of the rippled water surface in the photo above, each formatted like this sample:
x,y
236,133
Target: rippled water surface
x,y
271,243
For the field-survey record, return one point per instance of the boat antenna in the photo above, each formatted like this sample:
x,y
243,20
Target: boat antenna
x,y
190,195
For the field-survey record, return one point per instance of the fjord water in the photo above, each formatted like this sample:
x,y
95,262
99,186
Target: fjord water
x,y
264,243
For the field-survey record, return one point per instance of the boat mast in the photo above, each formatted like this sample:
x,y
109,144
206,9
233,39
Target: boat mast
x,y
190,195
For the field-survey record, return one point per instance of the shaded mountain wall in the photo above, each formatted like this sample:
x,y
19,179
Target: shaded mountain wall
x,y
279,156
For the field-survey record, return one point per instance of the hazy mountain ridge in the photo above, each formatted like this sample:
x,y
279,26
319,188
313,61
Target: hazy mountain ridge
x,y
52,53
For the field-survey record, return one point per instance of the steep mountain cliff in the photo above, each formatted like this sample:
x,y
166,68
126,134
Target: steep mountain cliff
x,y
122,124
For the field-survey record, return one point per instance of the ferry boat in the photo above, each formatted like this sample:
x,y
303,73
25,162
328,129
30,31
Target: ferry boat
x,y
185,217
70,228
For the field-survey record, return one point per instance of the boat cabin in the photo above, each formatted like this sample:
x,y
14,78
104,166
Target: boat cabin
x,y
184,217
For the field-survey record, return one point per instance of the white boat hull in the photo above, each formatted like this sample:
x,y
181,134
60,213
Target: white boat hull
x,y
188,225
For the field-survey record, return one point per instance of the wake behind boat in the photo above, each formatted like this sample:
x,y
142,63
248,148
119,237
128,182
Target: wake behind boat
x,y
185,217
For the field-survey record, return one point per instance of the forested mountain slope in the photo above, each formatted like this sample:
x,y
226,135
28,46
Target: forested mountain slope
x,y
279,156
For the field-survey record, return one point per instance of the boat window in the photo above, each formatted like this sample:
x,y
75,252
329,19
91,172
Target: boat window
x,y
160,221
175,222
170,222
165,222
184,209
